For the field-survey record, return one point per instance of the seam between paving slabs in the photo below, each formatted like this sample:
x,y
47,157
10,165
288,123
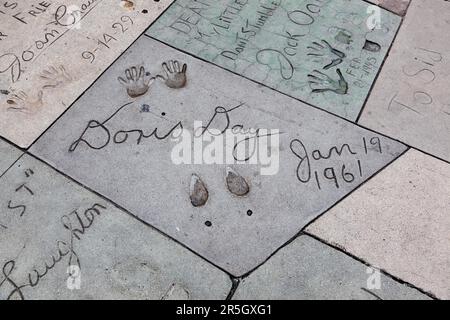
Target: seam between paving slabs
x,y
187,247
380,69
340,249
348,254
232,277
323,213
387,9
272,89
236,283
236,280
306,103
12,165
198,58
210,63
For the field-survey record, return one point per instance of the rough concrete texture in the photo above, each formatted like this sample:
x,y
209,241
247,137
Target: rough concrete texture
x,y
326,53
309,270
51,51
399,221
108,142
59,241
410,101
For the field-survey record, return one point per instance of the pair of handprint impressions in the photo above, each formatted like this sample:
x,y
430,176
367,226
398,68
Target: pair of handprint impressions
x,y
52,78
319,81
137,80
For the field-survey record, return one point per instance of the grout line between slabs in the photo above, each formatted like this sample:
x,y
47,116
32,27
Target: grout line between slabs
x,y
98,194
275,90
380,69
322,214
232,277
306,103
386,273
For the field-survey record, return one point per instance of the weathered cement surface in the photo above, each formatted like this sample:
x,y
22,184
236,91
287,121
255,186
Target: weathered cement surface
x,y
411,100
326,53
51,226
399,221
8,154
308,269
122,147
51,51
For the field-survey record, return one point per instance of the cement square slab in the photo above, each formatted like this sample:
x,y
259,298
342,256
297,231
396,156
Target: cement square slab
x,y
52,51
411,100
399,221
326,53
307,269
60,241
8,154
398,6
124,148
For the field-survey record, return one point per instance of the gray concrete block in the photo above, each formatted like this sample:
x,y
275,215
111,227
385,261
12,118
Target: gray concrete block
x,y
320,158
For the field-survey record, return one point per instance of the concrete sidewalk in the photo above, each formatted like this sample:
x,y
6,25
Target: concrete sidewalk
x,y
260,149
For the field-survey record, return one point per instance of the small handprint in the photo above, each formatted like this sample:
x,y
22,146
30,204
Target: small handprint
x,y
21,102
175,75
324,51
137,82
55,77
320,82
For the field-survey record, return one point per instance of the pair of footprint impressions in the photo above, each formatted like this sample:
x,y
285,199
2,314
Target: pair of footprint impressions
x,y
199,194
137,81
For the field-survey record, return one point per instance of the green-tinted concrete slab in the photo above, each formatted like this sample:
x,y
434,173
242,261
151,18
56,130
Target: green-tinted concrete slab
x,y
8,154
122,147
308,269
324,52
60,241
